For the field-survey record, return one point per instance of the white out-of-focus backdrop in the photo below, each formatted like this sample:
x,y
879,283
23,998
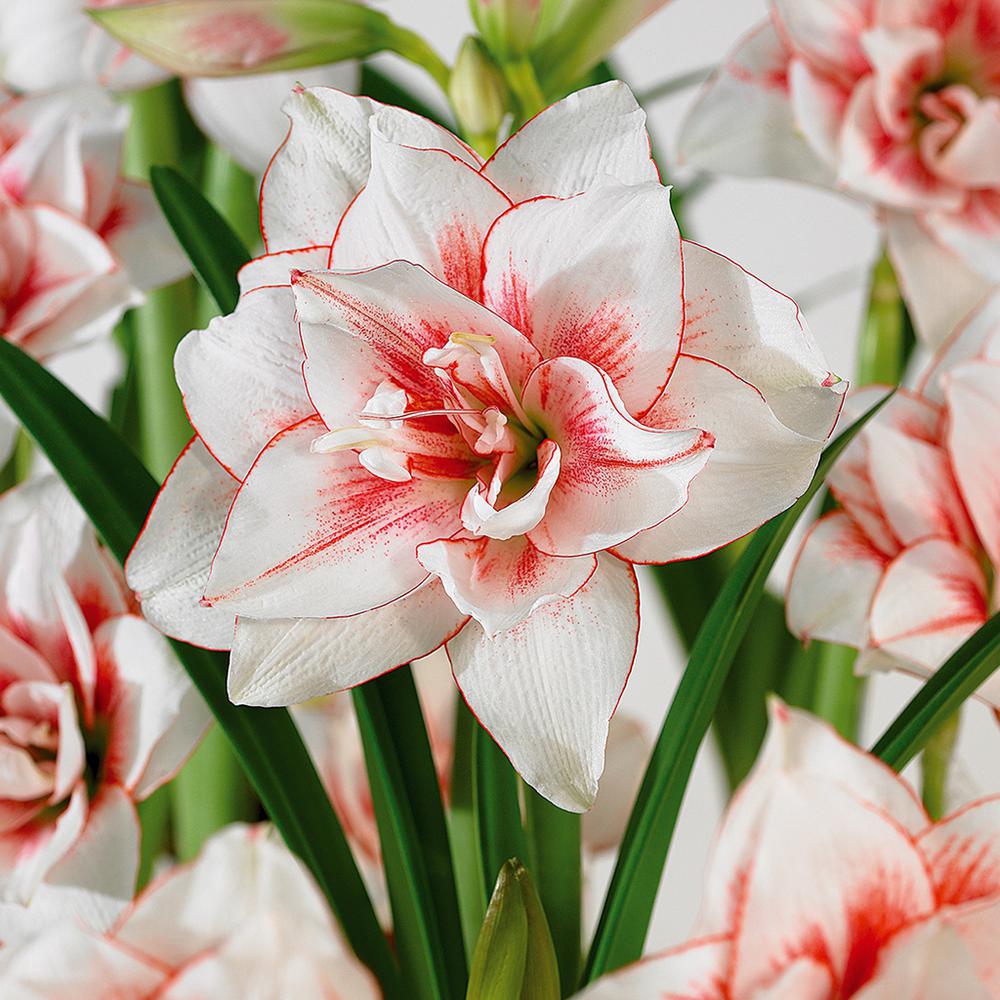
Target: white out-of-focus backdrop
x,y
811,244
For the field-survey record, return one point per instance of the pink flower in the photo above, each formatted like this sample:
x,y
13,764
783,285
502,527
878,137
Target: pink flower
x,y
829,881
245,919
900,570
78,243
95,713
895,102
507,382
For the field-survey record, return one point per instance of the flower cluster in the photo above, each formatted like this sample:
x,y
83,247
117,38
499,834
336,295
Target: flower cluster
x,y
455,402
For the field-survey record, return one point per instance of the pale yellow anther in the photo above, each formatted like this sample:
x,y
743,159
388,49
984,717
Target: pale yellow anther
x,y
466,339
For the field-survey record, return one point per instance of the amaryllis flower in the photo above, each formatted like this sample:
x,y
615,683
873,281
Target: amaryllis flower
x,y
95,712
828,881
455,402
905,569
896,102
243,920
78,243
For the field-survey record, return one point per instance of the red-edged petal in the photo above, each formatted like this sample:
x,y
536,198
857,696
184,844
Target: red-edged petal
x,y
596,134
501,583
827,33
963,854
616,477
168,566
546,689
608,290
284,662
317,535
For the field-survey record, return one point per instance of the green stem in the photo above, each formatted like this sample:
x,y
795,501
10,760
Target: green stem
x,y
154,818
463,826
523,82
935,765
416,49
554,850
499,809
838,692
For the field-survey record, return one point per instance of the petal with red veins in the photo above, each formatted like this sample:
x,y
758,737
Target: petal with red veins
x,y
818,105
242,377
154,713
931,599
501,583
743,121
827,33
168,566
694,971
362,329
20,662
401,215
617,477
135,231
327,154
972,392
563,671
833,581
963,853
608,290
970,158
758,466
243,114
314,535
972,233
287,661
743,324
593,136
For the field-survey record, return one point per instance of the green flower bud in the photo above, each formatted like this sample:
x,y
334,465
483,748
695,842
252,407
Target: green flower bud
x,y
478,92
507,26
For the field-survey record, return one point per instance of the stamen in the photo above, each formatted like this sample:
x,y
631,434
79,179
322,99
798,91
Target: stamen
x,y
466,339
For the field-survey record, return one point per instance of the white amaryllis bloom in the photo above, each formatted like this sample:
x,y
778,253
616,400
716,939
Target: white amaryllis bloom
x,y
243,920
896,102
456,401
95,712
905,569
829,880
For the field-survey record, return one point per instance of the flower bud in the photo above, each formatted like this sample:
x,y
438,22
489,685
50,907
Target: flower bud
x,y
477,91
507,26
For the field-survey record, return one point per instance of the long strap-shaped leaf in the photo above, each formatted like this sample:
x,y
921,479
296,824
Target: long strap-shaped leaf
x,y
415,849
957,679
116,491
214,250
628,905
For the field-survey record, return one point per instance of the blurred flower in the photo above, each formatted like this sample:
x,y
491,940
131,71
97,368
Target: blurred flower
x,y
897,103
243,920
904,569
95,712
78,243
828,880
484,438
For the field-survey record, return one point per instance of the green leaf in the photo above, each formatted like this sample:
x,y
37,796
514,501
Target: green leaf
x,y
930,708
628,905
116,491
514,958
215,251
415,848
234,37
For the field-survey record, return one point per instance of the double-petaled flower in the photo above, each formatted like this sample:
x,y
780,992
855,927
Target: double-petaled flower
x,y
455,402
244,920
895,101
829,881
95,712
905,569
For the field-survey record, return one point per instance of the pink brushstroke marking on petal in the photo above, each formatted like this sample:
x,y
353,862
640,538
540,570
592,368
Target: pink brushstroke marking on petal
x,y
243,39
461,258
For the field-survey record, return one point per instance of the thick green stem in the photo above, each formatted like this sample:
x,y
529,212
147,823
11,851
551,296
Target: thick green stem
x,y
554,852
935,764
417,50
498,805
523,82
837,691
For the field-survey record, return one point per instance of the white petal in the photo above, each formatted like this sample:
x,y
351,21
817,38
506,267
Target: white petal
x,y
168,567
315,536
243,114
617,477
318,170
833,581
592,136
501,583
287,661
546,689
608,290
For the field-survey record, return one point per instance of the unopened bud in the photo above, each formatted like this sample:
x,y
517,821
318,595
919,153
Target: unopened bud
x,y
507,26
478,92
